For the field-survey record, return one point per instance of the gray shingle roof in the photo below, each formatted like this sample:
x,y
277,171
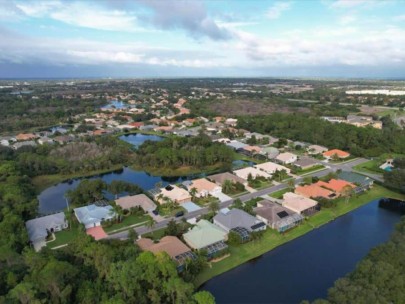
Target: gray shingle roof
x,y
37,228
236,218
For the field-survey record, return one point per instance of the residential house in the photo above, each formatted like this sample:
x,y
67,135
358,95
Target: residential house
x,y
38,229
26,136
231,122
305,163
45,140
238,221
137,125
204,187
236,145
245,172
250,150
336,185
277,217
362,182
174,193
176,249
206,236
7,141
92,215
63,139
300,204
29,143
315,191
220,178
335,153
133,201
270,152
315,149
286,158
271,168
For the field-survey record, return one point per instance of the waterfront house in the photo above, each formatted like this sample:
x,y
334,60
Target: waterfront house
x,y
270,152
133,201
220,178
336,185
335,153
314,191
236,145
176,249
276,216
300,204
26,136
93,215
362,182
238,221
174,193
286,158
204,187
38,229
206,236
245,172
271,168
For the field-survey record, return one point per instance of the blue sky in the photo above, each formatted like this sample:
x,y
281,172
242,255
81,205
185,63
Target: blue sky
x,y
175,38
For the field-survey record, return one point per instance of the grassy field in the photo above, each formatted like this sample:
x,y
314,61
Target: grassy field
x,y
126,222
272,239
156,235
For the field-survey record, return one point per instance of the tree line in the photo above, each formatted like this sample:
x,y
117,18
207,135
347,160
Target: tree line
x,y
366,141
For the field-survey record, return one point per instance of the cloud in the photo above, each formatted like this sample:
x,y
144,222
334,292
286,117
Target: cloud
x,y
347,19
84,14
277,9
190,15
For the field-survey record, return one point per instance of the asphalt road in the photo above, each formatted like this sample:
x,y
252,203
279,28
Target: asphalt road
x,y
347,166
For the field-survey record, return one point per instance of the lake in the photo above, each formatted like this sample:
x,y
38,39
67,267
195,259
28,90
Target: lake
x,y
305,268
138,139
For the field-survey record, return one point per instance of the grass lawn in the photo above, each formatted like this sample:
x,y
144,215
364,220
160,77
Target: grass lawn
x,y
272,239
129,220
279,194
167,212
237,194
204,201
156,235
63,237
372,166
312,169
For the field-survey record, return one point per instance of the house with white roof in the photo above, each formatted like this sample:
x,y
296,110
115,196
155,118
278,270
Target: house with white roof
x,y
245,172
287,158
271,168
92,215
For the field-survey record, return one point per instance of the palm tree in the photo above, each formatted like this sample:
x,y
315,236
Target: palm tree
x,y
193,191
150,224
291,183
347,193
227,186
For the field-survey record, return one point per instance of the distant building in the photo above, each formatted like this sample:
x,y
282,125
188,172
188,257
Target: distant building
x,y
287,158
139,200
335,153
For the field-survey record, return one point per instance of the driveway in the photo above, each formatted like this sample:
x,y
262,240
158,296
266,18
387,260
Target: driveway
x,y
222,197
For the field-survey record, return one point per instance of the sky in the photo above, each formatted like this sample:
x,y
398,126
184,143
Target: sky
x,y
196,38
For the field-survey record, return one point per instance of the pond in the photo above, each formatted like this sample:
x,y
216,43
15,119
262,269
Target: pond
x,y
116,104
305,268
138,139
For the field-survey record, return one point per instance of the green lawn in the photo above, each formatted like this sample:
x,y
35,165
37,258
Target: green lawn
x,y
127,221
312,169
372,166
167,212
272,239
205,201
156,235
63,237
279,194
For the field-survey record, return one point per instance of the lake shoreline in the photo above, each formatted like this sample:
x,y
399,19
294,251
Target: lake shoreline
x,y
251,251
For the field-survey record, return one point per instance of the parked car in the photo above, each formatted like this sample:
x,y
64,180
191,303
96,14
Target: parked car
x,y
155,212
180,213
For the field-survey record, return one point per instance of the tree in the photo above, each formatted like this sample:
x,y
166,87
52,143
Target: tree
x,y
291,184
193,191
347,193
132,235
203,297
213,206
307,180
227,186
173,228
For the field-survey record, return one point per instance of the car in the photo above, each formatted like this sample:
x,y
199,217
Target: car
x,y
180,213
155,212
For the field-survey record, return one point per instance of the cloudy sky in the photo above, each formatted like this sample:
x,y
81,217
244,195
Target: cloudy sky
x,y
174,38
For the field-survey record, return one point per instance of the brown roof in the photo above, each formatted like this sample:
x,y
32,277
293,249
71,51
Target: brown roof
x,y
336,185
222,177
339,153
314,191
169,244
140,200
